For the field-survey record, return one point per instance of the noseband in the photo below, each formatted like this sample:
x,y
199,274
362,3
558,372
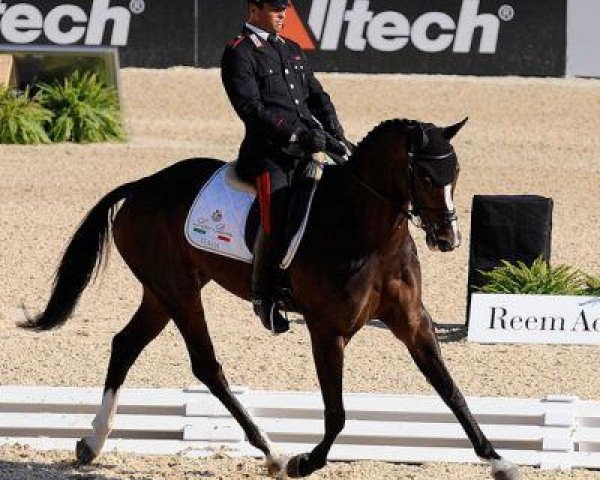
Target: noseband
x,y
415,213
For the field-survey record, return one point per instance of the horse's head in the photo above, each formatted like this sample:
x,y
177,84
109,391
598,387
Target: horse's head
x,y
416,174
433,172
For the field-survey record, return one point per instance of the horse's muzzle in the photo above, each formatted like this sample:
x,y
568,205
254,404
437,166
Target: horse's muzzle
x,y
445,237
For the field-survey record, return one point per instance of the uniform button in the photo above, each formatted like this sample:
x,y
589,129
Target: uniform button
x,y
297,102
270,71
301,67
292,86
287,71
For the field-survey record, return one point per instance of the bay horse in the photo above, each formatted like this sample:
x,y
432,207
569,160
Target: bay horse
x,y
357,261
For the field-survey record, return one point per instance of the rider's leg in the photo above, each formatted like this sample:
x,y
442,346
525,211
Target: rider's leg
x,y
301,192
272,192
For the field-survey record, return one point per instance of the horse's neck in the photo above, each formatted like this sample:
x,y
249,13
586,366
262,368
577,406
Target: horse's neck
x,y
366,221
381,166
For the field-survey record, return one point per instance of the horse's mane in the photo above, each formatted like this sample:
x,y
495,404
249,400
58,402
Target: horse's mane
x,y
396,124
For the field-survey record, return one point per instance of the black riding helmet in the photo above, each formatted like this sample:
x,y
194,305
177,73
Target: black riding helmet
x,y
274,3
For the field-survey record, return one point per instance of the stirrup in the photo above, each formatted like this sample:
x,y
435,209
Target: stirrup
x,y
274,309
271,319
272,323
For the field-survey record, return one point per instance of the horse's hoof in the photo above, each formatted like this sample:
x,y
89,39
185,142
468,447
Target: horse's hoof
x,y
299,466
276,466
84,453
505,470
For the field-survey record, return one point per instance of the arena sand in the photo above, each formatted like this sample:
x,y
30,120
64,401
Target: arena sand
x,y
535,136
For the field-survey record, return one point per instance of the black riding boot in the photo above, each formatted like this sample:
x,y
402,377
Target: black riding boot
x,y
262,274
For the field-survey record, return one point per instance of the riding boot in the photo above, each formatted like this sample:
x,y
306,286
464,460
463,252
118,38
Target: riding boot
x,y
262,273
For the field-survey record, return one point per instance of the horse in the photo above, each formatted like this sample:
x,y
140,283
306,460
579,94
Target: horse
x,y
356,262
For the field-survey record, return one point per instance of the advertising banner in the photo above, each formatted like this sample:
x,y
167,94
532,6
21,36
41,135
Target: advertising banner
x,y
148,33
469,37
218,23
466,37
563,319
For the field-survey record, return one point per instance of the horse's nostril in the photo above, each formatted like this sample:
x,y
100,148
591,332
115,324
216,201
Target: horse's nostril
x,y
444,245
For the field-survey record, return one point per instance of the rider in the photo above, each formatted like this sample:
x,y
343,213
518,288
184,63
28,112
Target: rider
x,y
273,90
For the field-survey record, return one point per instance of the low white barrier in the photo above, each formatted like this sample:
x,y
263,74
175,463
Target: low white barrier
x,y
554,432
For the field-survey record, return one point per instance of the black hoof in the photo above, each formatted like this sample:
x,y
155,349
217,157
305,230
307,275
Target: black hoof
x,y
299,466
85,455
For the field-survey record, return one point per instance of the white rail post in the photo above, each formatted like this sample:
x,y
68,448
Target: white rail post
x,y
559,417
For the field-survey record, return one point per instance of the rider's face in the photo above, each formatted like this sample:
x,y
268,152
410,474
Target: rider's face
x,y
267,17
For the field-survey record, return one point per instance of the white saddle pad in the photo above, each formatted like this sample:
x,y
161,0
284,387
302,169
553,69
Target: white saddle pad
x,y
217,220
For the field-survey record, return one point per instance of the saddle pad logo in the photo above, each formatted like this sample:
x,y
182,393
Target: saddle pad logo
x,y
217,218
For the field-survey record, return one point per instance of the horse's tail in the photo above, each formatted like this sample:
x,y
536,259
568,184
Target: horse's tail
x,y
83,256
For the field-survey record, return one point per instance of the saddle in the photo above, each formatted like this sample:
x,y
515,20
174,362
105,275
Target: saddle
x,y
225,217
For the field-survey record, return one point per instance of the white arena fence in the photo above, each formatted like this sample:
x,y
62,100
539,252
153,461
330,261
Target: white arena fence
x,y
558,431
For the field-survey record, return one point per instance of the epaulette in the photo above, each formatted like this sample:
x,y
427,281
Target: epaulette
x,y
236,41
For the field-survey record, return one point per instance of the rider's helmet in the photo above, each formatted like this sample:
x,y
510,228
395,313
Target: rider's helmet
x,y
274,3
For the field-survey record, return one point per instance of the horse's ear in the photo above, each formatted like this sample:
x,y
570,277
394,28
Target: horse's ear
x,y
418,137
449,132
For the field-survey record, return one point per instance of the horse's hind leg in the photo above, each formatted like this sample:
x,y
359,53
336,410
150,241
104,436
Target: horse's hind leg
x,y
419,336
149,320
207,369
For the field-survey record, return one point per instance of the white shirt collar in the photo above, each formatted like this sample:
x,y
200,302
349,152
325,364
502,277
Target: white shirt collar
x,y
264,35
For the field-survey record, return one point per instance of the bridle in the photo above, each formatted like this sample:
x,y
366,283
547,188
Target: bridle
x,y
446,217
415,210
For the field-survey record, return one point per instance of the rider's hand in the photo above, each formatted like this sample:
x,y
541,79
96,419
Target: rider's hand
x,y
312,141
334,127
335,146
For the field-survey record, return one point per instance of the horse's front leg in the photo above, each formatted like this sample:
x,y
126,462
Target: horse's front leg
x,y
414,327
328,352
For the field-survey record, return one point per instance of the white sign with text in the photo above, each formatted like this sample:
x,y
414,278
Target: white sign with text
x,y
496,318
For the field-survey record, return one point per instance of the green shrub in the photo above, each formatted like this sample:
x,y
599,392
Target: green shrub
x,y
85,109
22,120
540,278
592,286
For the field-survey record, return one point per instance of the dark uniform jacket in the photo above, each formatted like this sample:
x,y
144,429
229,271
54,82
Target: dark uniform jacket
x,y
273,92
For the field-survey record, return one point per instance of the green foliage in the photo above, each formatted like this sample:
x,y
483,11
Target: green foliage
x,y
592,286
540,278
22,120
85,109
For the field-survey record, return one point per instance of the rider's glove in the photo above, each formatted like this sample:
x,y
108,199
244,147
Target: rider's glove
x,y
311,141
335,146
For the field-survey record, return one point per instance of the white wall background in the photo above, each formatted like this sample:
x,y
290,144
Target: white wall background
x,y
583,38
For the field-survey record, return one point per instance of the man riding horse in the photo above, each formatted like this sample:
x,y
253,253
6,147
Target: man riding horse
x,y
273,90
